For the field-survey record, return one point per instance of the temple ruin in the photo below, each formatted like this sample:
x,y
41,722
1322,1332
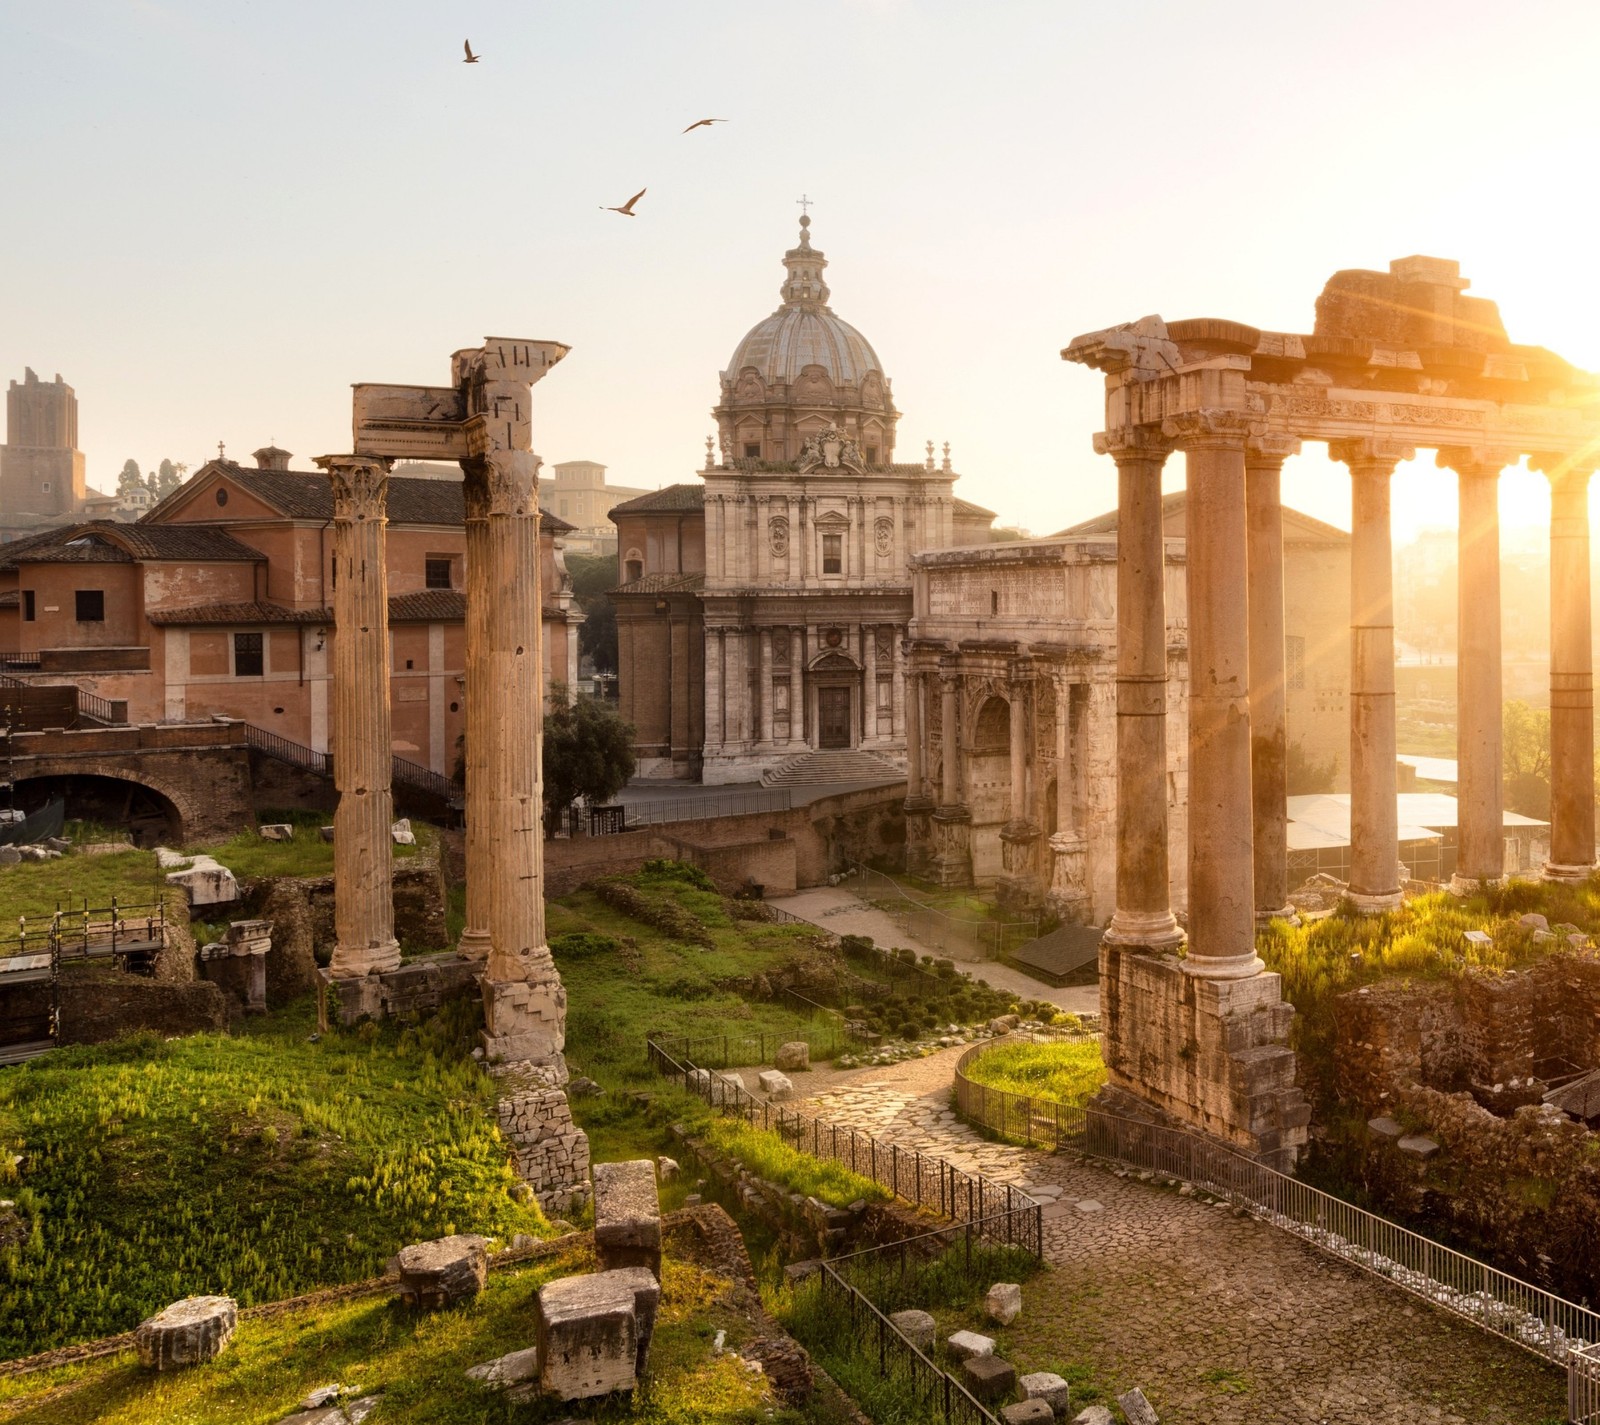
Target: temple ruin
x,y
1395,361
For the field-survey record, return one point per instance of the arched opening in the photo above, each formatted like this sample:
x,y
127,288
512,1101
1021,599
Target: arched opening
x,y
147,817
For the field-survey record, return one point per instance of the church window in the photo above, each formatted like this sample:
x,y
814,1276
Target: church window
x,y
45,487
752,451
1294,661
833,554
247,659
633,569
872,455
436,572
91,605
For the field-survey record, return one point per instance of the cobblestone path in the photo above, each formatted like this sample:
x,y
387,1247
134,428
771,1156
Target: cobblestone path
x,y
1222,1320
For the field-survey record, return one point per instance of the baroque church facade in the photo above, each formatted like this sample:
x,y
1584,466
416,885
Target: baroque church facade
x,y
762,611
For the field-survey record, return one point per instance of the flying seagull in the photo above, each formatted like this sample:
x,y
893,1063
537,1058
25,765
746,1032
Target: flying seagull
x,y
627,208
702,123
471,58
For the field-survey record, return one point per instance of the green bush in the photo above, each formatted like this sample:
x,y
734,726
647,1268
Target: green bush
x,y
764,1153
1066,1071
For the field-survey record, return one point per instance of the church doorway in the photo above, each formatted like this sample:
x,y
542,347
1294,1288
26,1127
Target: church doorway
x,y
833,717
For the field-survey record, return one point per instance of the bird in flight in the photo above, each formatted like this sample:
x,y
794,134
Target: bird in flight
x,y
703,123
471,58
627,208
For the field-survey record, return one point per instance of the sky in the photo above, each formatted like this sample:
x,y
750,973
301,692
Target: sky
x,y
217,215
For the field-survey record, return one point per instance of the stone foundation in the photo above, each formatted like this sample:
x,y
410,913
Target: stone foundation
x,y
526,1019
415,989
548,1150
1209,1054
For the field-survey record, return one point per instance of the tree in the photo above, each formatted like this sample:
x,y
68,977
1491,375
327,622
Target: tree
x,y
1525,758
169,477
593,576
588,752
130,479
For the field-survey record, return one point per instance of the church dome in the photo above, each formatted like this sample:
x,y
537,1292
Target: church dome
x,y
804,331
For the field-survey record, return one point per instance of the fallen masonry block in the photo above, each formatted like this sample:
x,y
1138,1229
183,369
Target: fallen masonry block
x,y
276,831
169,860
727,1087
1417,1146
796,1054
1048,1387
402,834
627,1216
442,1272
1027,1412
989,1378
969,1345
516,1373
1386,1129
186,1333
1002,1303
1138,1410
917,1327
775,1084
1534,921
325,833
207,882
667,1169
594,1332
1093,1415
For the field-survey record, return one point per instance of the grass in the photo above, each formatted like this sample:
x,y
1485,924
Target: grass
x,y
261,1166
418,1361
251,855
37,889
764,1153
1069,1071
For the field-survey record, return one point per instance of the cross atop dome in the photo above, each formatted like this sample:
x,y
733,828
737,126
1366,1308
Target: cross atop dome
x,y
804,287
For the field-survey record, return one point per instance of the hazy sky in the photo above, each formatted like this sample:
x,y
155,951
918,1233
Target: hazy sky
x,y
215,215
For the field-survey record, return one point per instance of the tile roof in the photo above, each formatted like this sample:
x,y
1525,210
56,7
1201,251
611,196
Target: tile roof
x,y
10,598
428,606
663,584
966,507
673,499
110,542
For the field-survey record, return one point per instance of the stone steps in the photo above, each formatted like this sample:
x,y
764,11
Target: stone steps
x,y
819,768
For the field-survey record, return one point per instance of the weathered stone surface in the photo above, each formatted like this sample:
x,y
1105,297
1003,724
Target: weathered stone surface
x,y
1418,1146
594,1332
1385,1129
206,881
442,1272
276,831
1027,1412
1138,1410
776,1084
186,1333
1534,921
666,1169
969,1345
627,1216
1002,1303
1048,1387
1093,1415
325,833
402,834
548,1150
516,1373
988,1377
786,1365
1003,1024
918,1327
791,1056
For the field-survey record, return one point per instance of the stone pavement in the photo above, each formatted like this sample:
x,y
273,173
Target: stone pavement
x,y
845,913
1222,1320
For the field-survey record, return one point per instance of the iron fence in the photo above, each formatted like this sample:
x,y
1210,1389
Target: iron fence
x,y
1548,1325
653,813
731,1051
1583,1386
969,935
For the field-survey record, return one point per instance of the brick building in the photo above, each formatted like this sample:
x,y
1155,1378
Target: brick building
x,y
219,602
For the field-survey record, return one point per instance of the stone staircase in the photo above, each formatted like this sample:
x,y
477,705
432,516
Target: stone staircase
x,y
812,769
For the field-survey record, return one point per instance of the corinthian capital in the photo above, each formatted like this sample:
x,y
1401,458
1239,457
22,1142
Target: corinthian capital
x,y
1477,461
1214,427
1133,443
360,486
1264,448
1565,464
1370,454
512,477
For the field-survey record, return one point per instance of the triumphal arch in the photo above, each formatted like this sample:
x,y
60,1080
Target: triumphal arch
x,y
1396,361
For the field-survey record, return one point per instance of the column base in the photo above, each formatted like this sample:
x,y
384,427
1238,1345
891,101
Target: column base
x,y
1284,912
1147,929
1223,967
951,863
1465,885
525,1020
474,944
1379,904
347,963
1566,875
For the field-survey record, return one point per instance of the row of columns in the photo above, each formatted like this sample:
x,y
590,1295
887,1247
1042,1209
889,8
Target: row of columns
x,y
1238,740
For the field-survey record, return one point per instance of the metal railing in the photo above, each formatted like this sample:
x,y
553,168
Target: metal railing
x,y
1583,1386
731,1051
1540,1321
102,710
653,813
970,935
297,754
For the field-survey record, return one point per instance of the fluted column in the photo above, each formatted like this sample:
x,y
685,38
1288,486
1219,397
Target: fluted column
x,y
766,686
1374,789
1144,909
363,753
950,796
1480,818
524,1002
475,938
869,699
1021,685
797,685
1572,849
1221,850
1065,772
916,772
1269,720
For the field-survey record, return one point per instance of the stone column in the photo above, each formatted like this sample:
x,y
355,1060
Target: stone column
x,y
363,754
766,686
1144,912
475,940
797,685
1480,820
915,776
1021,683
1572,850
1221,851
1065,772
1374,815
524,1002
1269,725
950,722
869,699
714,724
951,820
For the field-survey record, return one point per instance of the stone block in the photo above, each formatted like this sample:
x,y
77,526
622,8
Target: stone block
x,y
207,882
516,1373
989,1378
1385,1129
169,860
1027,1412
1048,1387
1417,1146
1093,1415
1004,1023
699,1081
402,834
594,1332
667,1169
325,833
442,1272
776,1084
1534,921
187,1333
727,1087
627,1216
969,1345
1002,1304
917,1327
276,831
1479,938
1137,1409
791,1056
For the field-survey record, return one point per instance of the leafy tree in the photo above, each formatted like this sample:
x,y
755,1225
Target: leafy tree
x,y
1306,775
169,477
1525,758
130,479
593,575
588,752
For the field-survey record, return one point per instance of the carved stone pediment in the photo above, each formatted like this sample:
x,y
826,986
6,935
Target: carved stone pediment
x,y
832,520
831,449
834,661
